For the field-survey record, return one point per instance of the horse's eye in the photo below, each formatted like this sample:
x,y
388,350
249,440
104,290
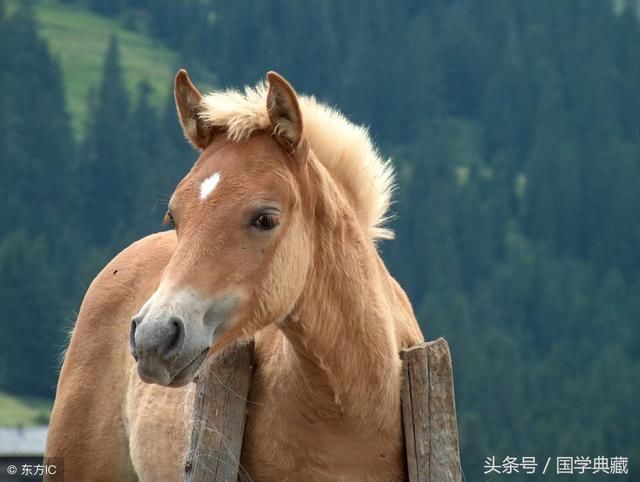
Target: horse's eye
x,y
168,219
266,222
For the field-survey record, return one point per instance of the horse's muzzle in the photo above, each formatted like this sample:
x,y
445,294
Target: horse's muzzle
x,y
156,345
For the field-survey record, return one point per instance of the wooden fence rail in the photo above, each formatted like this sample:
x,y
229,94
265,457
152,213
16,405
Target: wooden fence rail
x,y
428,412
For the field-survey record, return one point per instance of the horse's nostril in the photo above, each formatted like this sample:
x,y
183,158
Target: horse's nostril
x,y
175,338
132,339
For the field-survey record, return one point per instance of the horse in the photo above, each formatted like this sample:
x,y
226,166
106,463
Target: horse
x,y
275,236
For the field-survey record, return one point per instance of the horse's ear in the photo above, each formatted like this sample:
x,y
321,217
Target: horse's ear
x,y
189,105
284,111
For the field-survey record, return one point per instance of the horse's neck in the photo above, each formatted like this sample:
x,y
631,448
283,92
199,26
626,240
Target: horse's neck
x,y
341,342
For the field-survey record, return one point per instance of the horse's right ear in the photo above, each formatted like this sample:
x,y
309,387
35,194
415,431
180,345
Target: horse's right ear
x,y
189,105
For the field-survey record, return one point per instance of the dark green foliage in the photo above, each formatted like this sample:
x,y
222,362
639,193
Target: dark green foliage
x,y
30,309
36,163
516,132
107,7
107,173
35,148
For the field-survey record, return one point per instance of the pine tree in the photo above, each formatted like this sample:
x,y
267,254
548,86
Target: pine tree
x,y
109,173
147,156
37,148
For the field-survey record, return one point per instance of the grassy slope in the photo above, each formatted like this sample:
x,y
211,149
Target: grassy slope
x,y
79,38
25,411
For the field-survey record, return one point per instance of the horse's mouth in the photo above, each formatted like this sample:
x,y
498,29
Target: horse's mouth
x,y
186,374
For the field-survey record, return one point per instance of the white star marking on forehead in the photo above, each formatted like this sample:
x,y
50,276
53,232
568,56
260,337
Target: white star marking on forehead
x,y
208,185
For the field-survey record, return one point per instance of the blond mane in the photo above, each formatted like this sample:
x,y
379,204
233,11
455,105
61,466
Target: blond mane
x,y
345,149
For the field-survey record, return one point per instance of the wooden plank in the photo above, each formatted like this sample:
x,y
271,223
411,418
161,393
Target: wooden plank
x,y
415,411
219,414
445,451
429,415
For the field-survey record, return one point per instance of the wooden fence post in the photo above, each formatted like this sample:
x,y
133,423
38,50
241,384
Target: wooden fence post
x,y
429,413
219,413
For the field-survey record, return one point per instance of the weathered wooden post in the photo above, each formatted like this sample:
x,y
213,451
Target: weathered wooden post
x,y
429,413
220,409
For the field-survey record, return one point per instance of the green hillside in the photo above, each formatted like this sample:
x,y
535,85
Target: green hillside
x,y
23,410
79,38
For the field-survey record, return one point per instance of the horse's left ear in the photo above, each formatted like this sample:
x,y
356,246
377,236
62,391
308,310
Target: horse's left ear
x,y
284,111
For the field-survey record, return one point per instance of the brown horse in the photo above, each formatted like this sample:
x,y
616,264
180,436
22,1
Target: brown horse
x,y
275,238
